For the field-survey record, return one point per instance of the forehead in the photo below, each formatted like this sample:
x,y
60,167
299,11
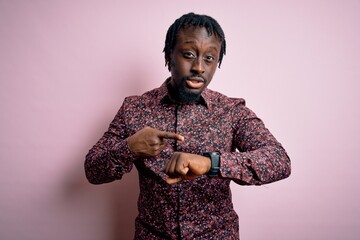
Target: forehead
x,y
197,35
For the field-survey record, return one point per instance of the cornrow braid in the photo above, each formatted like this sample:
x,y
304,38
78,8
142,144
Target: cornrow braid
x,y
193,20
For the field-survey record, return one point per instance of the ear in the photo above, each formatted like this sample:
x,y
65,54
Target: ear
x,y
168,61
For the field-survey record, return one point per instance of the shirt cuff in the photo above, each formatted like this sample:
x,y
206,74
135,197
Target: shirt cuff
x,y
123,153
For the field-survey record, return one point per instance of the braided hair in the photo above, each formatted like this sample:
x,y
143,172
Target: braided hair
x,y
193,20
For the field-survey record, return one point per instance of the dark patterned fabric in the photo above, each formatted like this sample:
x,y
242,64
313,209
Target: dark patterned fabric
x,y
202,208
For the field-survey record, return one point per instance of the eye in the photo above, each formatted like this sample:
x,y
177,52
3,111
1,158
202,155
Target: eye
x,y
189,55
209,58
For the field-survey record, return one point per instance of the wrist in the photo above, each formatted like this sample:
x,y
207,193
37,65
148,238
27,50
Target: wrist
x,y
130,144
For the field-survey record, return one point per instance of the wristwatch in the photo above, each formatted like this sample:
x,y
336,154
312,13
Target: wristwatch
x,y
215,163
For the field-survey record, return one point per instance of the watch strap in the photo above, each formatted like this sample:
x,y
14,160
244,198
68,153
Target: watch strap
x,y
215,163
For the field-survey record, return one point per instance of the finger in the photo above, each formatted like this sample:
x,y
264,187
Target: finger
x,y
166,168
158,147
169,135
182,167
171,170
163,142
169,167
173,180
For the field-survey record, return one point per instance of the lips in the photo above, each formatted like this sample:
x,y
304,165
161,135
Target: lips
x,y
195,82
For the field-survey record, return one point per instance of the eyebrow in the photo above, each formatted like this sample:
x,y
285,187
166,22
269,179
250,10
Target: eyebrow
x,y
194,42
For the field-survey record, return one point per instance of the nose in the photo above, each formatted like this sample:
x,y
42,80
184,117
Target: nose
x,y
198,66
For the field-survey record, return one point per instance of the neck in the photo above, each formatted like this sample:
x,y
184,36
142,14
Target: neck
x,y
180,95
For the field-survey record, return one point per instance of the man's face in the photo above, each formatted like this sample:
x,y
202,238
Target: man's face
x,y
193,63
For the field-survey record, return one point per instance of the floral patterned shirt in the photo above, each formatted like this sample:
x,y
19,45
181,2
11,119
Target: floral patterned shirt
x,y
202,208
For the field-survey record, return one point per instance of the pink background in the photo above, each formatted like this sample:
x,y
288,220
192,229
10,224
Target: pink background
x,y
66,67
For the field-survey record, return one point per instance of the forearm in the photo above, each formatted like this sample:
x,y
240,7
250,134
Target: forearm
x,y
108,160
260,158
257,167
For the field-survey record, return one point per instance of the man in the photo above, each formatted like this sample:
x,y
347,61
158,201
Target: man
x,y
187,143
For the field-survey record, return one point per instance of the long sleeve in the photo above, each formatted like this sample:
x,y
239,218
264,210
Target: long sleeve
x,y
217,123
110,157
259,158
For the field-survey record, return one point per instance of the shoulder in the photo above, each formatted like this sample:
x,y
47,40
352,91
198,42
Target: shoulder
x,y
235,106
146,98
218,99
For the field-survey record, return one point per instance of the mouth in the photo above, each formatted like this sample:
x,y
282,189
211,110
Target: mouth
x,y
195,82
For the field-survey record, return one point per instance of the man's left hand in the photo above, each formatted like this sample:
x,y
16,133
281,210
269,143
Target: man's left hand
x,y
186,166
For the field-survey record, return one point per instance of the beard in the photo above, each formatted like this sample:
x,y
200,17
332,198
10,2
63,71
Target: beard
x,y
181,93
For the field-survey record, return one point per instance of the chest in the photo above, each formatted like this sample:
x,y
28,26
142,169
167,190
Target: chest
x,y
202,128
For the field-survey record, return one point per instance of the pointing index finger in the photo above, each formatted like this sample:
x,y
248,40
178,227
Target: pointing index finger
x,y
169,135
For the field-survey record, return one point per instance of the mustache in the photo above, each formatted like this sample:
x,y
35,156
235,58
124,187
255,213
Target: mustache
x,y
196,76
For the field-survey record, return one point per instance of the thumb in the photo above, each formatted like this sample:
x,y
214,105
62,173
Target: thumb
x,y
174,180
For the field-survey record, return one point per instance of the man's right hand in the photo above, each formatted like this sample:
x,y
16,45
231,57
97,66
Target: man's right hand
x,y
149,142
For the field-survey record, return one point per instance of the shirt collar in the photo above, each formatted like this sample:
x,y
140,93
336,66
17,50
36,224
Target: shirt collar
x,y
163,95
